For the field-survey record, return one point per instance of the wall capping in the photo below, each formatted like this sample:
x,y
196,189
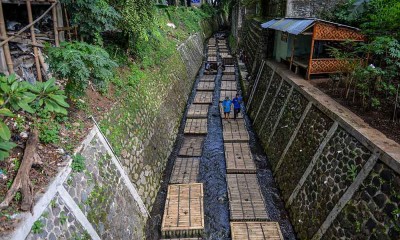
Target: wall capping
x,y
368,136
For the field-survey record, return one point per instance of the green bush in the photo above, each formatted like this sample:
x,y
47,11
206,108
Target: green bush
x,y
78,163
81,64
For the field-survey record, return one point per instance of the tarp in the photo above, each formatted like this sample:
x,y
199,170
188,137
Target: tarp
x,y
289,25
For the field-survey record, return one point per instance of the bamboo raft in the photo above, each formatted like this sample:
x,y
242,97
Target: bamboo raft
x,y
229,71
186,170
246,202
191,147
184,212
203,98
198,111
228,85
235,131
206,86
228,77
196,126
238,158
208,78
226,93
256,231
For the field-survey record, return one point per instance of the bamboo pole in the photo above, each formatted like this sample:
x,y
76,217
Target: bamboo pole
x,y
6,48
311,53
28,26
35,49
55,26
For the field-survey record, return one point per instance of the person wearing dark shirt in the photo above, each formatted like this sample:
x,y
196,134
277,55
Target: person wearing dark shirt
x,y
236,105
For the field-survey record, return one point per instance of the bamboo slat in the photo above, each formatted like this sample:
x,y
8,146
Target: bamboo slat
x,y
228,78
208,78
226,93
198,111
206,86
256,231
235,131
185,171
229,71
212,59
246,202
191,147
184,212
196,126
228,85
203,98
238,158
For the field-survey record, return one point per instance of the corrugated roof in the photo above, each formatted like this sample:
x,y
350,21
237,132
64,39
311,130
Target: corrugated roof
x,y
297,25
290,25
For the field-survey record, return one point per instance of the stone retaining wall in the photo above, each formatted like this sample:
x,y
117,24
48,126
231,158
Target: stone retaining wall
x,y
339,177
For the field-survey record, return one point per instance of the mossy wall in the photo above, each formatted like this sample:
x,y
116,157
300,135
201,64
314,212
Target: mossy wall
x,y
321,159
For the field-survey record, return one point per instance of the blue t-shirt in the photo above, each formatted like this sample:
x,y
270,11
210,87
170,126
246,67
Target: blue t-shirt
x,y
236,102
226,104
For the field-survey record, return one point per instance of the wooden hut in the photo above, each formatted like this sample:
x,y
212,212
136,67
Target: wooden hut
x,y
304,44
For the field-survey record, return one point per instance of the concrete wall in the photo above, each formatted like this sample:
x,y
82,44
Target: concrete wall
x,y
339,177
112,197
309,8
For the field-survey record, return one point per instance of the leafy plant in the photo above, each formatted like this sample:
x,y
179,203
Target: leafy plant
x,y
37,227
63,218
18,196
49,132
78,163
82,64
352,172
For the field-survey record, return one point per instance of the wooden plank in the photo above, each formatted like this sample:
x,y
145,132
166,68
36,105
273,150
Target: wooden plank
x,y
226,93
206,86
192,147
228,78
212,59
184,211
235,131
198,111
239,158
208,78
203,98
245,199
196,126
186,170
256,231
228,85
229,71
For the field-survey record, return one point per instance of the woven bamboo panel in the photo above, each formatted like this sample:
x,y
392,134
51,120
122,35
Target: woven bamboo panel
x,y
226,93
184,211
256,231
198,111
239,116
228,85
206,86
203,98
229,71
228,78
325,31
245,199
185,170
196,126
208,78
235,131
212,59
192,147
238,158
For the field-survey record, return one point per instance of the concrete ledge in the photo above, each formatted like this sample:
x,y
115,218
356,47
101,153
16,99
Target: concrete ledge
x,y
368,136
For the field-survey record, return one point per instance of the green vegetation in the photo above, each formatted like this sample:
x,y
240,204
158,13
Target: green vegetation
x,y
37,227
374,83
78,163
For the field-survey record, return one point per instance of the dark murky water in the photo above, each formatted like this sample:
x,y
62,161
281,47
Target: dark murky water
x,y
212,175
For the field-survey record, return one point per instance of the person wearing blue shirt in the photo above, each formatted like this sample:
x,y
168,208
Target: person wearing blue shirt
x,y
236,105
226,105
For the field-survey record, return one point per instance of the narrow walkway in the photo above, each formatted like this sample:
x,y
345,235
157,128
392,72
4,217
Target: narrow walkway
x,y
209,198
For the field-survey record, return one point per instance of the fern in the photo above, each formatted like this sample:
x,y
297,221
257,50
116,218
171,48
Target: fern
x,y
81,63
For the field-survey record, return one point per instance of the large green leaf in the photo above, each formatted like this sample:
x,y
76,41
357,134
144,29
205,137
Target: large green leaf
x,y
60,100
7,146
25,106
5,133
6,112
3,155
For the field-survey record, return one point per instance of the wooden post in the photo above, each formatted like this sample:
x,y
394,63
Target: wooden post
x,y
35,50
6,48
291,57
311,54
55,27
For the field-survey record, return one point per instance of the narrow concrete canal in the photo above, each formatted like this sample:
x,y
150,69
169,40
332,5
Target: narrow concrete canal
x,y
239,198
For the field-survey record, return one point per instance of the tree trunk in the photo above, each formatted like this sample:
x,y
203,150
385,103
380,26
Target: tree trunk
x,y
22,180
